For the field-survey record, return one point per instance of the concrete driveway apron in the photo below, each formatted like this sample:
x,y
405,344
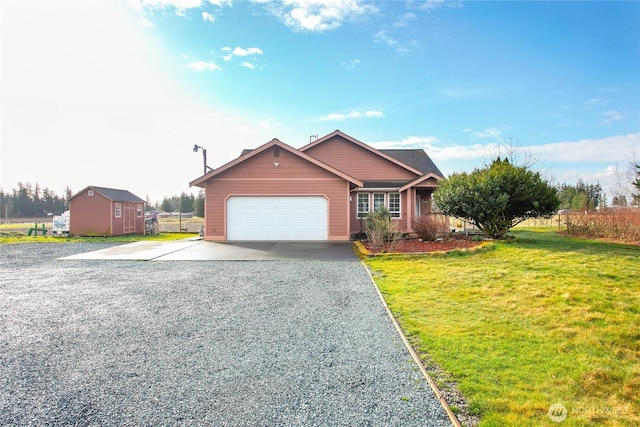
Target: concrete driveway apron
x,y
198,250
291,341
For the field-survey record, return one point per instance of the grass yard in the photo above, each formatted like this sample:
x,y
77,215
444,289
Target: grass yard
x,y
12,239
16,232
522,326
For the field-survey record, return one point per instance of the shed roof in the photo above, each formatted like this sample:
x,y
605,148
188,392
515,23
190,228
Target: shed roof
x,y
114,195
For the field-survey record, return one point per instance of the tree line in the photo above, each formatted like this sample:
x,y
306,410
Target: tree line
x,y
33,201
29,200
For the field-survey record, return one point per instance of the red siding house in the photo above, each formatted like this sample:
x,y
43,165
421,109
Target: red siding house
x,y
322,191
100,211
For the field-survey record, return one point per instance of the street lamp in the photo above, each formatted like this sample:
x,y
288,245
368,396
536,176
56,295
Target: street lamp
x,y
204,156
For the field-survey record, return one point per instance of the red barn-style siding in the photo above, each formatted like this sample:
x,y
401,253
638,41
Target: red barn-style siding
x,y
101,211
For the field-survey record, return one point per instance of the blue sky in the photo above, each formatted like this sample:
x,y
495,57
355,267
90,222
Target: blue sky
x,y
117,93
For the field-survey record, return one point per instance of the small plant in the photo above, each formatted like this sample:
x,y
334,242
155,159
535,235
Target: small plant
x,y
381,230
430,228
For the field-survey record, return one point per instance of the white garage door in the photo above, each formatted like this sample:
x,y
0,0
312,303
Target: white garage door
x,y
277,218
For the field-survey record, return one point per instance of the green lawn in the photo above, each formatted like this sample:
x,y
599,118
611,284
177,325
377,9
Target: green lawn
x,y
13,238
524,325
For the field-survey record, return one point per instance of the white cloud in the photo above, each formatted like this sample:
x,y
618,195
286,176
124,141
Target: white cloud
x,y
203,66
350,65
145,22
179,5
403,20
319,15
593,102
493,133
609,149
241,52
207,17
611,116
462,93
238,51
432,4
336,117
385,37
432,146
581,151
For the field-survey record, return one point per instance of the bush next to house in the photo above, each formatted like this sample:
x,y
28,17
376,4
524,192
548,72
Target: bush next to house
x,y
430,228
380,229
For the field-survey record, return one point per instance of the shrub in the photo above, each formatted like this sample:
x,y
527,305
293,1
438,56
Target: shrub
x,y
429,228
618,223
380,229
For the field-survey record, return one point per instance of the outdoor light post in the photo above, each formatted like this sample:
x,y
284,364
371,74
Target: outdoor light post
x,y
204,155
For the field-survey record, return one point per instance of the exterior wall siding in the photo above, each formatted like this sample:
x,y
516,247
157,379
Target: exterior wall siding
x,y
95,216
293,176
357,162
90,215
358,224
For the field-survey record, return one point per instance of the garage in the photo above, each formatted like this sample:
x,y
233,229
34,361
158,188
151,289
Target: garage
x,y
277,218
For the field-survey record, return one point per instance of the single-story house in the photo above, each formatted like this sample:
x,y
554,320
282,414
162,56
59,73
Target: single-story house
x,y
322,191
100,211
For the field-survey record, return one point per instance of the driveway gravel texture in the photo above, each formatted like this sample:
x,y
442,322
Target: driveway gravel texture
x,y
220,343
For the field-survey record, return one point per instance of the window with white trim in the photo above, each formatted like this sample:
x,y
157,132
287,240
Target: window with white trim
x,y
363,205
394,205
378,201
118,210
139,211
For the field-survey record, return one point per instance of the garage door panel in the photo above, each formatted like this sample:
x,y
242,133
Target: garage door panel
x,y
277,218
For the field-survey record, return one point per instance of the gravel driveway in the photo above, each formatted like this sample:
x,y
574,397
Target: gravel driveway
x,y
224,343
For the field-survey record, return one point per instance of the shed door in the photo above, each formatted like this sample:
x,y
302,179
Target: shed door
x,y
128,218
277,218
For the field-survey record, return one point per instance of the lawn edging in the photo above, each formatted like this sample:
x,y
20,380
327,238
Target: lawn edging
x,y
423,370
360,249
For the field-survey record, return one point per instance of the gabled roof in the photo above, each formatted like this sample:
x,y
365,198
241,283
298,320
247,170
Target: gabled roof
x,y
248,154
416,158
351,139
420,180
114,195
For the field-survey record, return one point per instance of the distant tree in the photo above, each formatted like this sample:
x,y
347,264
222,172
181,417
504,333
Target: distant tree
x,y
581,197
186,202
198,205
166,205
497,197
619,200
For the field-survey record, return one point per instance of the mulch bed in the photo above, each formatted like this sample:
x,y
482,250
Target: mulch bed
x,y
418,246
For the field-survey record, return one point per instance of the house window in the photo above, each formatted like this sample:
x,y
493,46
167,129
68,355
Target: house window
x,y
394,205
90,193
363,205
139,211
378,201
118,210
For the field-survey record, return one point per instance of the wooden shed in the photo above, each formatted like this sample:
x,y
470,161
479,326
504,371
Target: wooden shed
x,y
100,211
